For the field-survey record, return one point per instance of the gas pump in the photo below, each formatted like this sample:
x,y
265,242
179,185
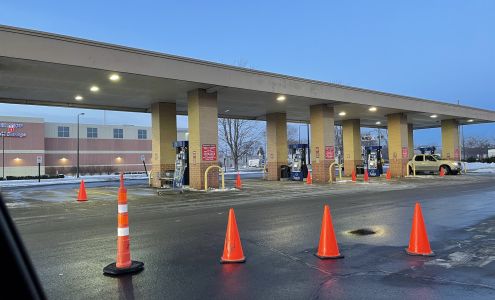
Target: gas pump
x,y
297,159
373,160
429,149
181,173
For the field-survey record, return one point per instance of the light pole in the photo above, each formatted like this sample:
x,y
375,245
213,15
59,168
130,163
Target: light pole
x,y
78,115
3,155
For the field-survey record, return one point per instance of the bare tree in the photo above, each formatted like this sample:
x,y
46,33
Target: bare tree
x,y
240,138
476,147
292,135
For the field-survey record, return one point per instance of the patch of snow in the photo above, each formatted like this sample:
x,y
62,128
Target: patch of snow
x,y
478,167
69,180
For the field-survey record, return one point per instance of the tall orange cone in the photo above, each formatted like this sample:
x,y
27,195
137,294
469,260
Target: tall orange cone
x,y
418,242
442,172
82,192
389,174
238,182
353,176
327,248
232,248
309,179
123,264
366,176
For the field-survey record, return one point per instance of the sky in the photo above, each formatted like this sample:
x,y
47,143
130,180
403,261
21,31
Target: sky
x,y
439,50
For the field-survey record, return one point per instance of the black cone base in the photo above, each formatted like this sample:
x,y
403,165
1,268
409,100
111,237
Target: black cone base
x,y
329,257
112,270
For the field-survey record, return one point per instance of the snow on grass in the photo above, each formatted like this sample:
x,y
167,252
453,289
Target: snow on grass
x,y
69,180
478,167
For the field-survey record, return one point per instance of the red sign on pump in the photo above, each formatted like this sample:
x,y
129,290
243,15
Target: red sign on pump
x,y
209,152
329,152
405,152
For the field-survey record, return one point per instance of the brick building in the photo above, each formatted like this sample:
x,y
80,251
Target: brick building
x,y
103,148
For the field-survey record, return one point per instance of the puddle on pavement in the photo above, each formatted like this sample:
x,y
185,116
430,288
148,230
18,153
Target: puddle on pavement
x,y
362,231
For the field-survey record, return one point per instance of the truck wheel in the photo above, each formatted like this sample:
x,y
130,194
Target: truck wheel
x,y
446,169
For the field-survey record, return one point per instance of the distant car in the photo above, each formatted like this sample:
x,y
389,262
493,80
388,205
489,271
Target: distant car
x,y
432,163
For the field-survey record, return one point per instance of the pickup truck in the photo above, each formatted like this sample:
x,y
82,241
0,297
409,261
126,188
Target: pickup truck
x,y
433,163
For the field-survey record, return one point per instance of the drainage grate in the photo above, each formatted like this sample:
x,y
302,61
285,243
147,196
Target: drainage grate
x,y
363,231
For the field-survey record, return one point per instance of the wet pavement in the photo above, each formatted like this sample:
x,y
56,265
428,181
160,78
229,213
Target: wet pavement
x,y
180,239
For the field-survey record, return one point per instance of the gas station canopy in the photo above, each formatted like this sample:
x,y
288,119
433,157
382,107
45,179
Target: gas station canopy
x,y
47,69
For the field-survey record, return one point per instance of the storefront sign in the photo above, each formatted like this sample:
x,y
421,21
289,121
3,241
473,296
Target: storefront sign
x,y
209,152
405,152
11,125
329,152
12,130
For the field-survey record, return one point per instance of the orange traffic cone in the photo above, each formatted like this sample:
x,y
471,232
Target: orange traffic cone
x,y
353,176
123,264
389,174
327,248
442,172
418,242
82,192
238,182
232,249
309,180
366,176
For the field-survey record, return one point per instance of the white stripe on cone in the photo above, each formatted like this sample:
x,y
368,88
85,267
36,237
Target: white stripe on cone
x,y
123,231
122,208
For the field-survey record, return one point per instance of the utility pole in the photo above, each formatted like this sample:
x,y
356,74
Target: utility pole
x,y
3,155
462,138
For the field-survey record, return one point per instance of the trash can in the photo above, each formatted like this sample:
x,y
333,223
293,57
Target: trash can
x,y
284,171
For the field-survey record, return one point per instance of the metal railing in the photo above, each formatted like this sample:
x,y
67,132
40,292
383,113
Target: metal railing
x,y
333,173
221,172
410,164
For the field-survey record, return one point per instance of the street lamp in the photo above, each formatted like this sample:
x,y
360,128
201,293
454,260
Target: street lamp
x,y
3,155
78,115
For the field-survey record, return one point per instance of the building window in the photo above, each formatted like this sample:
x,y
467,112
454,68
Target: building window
x,y
63,131
118,133
142,134
92,133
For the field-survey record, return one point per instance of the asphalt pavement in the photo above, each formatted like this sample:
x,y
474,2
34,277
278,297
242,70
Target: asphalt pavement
x,y
180,239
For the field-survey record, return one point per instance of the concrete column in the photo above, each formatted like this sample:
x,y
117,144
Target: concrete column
x,y
322,141
202,113
276,137
410,140
450,140
398,144
164,133
351,131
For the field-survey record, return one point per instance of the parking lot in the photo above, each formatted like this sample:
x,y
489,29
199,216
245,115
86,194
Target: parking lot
x,y
180,239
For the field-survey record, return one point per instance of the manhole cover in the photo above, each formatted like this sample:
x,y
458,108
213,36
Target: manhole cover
x,y
362,231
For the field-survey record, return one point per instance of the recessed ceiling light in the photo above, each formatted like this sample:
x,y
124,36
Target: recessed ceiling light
x,y
342,113
94,88
470,121
114,77
281,98
433,116
79,97
378,123
372,108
